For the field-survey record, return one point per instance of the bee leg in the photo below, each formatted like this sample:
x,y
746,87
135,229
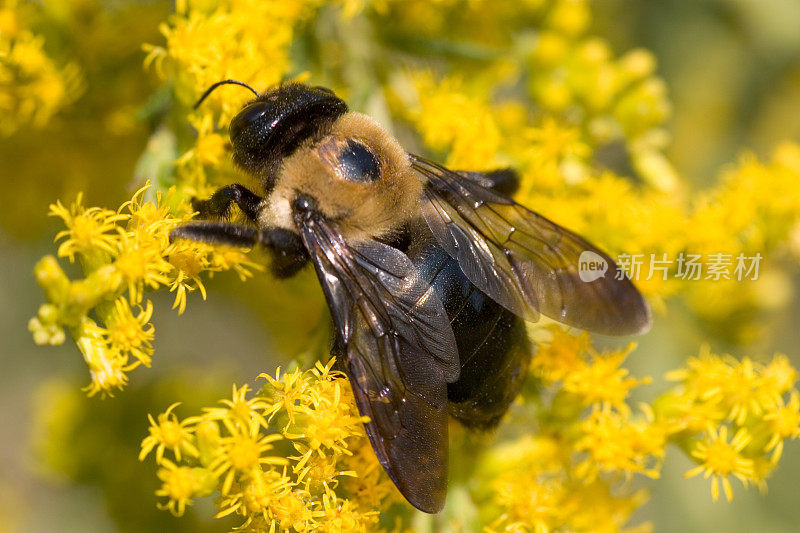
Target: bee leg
x,y
219,205
288,253
224,233
504,180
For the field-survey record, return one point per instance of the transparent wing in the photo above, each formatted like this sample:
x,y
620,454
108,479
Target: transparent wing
x,y
524,261
400,352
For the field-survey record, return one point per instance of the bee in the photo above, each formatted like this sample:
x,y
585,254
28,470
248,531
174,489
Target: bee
x,y
429,273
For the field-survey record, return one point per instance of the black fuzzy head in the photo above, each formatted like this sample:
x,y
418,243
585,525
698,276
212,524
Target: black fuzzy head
x,y
273,125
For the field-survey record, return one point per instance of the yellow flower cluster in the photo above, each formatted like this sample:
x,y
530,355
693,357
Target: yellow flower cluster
x,y
755,209
122,253
211,41
574,474
282,459
215,40
756,403
32,86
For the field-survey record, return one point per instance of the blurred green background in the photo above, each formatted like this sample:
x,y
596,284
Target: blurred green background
x,y
733,72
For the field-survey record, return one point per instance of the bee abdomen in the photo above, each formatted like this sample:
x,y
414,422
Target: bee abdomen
x,y
494,352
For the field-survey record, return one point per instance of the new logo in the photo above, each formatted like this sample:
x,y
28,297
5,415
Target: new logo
x,y
591,266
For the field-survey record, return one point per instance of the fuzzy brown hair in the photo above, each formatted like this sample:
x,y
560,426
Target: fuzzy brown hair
x,y
360,211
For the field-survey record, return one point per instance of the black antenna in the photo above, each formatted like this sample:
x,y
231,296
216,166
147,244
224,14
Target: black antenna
x,y
223,82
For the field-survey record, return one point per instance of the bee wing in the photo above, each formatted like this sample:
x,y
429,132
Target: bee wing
x,y
522,260
400,352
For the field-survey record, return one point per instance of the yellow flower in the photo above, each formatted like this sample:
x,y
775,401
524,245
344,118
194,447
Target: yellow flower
x,y
210,146
131,334
555,141
141,265
328,421
107,366
241,453
205,47
601,381
338,515
291,512
777,378
239,411
169,433
784,423
151,218
244,459
738,389
599,507
615,443
88,230
180,485
108,370
284,393
449,119
560,356
719,459
256,496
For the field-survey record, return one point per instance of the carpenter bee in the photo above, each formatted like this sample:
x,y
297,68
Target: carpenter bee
x,y
428,272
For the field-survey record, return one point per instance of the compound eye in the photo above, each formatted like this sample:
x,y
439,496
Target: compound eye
x,y
358,163
248,116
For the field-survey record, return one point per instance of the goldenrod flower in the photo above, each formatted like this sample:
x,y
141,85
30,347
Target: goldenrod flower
x,y
108,367
88,230
284,393
449,119
784,423
131,334
180,485
127,250
169,433
237,446
240,411
329,419
255,497
601,381
242,452
719,459
339,515
561,355
616,444
141,264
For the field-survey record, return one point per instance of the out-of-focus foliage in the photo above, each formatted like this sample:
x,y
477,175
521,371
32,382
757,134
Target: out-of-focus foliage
x,y
33,87
478,85
84,145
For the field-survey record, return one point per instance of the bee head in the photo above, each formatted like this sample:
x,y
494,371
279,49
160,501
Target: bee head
x,y
271,126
